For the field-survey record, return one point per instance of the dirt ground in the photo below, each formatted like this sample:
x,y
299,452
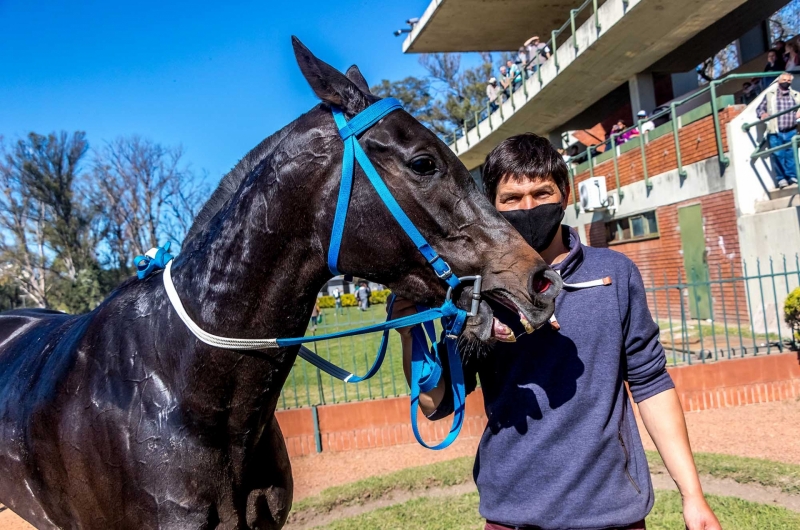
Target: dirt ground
x,y
768,430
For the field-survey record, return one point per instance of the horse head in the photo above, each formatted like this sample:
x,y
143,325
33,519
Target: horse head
x,y
439,196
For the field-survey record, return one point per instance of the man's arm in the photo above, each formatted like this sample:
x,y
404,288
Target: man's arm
x,y
761,110
428,401
661,411
663,418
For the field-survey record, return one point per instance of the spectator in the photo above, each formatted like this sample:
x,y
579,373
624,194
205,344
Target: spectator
x,y
538,52
337,299
514,74
522,56
622,136
494,93
363,296
780,130
780,49
750,90
792,57
316,316
646,125
505,81
775,62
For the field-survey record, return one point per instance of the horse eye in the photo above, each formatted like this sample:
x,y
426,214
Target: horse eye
x,y
423,165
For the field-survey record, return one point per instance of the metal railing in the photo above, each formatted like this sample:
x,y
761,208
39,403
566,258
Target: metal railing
x,y
728,330
572,24
675,123
793,144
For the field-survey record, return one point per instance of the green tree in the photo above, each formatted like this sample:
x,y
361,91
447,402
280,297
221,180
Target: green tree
x,y
448,95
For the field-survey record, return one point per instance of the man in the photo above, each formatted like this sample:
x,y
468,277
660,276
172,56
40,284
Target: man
x,y
777,98
363,296
561,448
493,92
646,125
514,74
505,81
337,298
538,52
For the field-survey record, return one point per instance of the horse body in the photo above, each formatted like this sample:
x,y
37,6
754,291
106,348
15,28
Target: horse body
x,y
120,418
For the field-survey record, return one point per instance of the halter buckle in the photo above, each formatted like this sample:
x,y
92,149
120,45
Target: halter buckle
x,y
476,292
444,275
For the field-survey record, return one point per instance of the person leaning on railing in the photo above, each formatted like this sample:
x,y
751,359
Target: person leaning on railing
x,y
781,97
493,92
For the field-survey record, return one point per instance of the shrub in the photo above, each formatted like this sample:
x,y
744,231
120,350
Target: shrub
x,y
791,310
349,300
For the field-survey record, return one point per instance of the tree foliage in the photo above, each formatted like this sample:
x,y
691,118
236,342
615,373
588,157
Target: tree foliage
x,y
447,95
71,221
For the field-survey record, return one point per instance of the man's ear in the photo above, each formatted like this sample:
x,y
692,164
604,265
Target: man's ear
x,y
330,85
565,198
354,75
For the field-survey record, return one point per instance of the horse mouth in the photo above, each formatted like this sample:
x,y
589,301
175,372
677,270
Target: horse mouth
x,y
502,317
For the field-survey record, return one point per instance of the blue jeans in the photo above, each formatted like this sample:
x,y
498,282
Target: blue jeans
x,y
783,160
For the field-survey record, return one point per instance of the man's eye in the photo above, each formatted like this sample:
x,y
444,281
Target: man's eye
x,y
423,165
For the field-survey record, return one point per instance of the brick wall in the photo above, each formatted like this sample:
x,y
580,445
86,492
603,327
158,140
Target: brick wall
x,y
660,259
385,422
697,140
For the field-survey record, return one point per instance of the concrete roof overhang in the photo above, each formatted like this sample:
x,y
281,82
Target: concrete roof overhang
x,y
630,42
485,25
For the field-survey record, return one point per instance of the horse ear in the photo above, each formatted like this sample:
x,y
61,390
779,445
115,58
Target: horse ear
x,y
329,84
354,75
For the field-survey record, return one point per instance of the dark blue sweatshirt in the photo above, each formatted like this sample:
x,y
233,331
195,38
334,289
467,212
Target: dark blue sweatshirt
x,y
561,449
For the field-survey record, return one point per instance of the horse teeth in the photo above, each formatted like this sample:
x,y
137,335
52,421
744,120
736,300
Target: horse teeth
x,y
525,324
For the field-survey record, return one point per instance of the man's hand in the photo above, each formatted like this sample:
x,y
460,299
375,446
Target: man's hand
x,y
763,116
402,308
698,515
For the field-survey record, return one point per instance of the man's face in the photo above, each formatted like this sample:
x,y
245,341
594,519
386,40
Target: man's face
x,y
502,69
525,194
785,78
771,57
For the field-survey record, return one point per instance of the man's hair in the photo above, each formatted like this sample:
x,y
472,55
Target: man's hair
x,y
521,157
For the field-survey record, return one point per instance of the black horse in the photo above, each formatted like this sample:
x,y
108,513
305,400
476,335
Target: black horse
x,y
121,418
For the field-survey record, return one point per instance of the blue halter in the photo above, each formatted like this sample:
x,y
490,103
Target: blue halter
x,y
426,367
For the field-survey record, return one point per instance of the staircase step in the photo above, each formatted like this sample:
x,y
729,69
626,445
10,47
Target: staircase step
x,y
778,204
785,192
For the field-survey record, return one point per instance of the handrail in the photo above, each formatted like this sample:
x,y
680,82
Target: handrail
x,y
675,120
746,126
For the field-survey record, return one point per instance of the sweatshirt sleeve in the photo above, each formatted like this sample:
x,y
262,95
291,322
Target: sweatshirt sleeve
x,y
646,363
445,407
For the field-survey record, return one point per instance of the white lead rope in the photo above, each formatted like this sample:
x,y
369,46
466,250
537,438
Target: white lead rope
x,y
212,340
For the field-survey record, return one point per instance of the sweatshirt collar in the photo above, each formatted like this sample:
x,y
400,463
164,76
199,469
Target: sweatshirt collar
x,y
574,259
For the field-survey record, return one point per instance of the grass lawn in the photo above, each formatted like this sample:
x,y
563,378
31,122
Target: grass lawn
x,y
461,513
355,354
459,471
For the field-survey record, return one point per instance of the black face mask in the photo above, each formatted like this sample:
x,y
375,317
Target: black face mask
x,y
538,226
784,85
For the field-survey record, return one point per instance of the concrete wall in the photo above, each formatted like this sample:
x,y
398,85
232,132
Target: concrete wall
x,y
385,422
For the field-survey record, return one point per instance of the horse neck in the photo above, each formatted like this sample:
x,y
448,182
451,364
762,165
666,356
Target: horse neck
x,y
253,273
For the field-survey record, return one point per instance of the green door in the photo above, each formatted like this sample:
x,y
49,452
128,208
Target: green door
x,y
693,242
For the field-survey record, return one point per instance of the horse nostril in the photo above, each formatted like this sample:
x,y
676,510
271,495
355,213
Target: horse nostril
x,y
544,283
540,285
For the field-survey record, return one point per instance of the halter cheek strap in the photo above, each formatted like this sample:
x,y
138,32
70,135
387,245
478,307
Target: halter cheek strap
x,y
353,152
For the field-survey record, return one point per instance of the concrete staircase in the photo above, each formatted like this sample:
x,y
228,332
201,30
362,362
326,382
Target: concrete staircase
x,y
779,199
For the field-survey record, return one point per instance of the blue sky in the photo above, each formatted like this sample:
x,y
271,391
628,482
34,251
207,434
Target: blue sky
x,y
214,77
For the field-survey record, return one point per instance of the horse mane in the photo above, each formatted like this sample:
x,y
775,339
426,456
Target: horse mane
x,y
231,182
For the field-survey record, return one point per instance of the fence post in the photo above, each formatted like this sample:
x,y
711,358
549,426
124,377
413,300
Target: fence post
x,y
647,182
555,49
669,316
597,21
477,129
736,305
613,145
676,136
317,434
775,299
572,26
717,130
693,294
750,308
